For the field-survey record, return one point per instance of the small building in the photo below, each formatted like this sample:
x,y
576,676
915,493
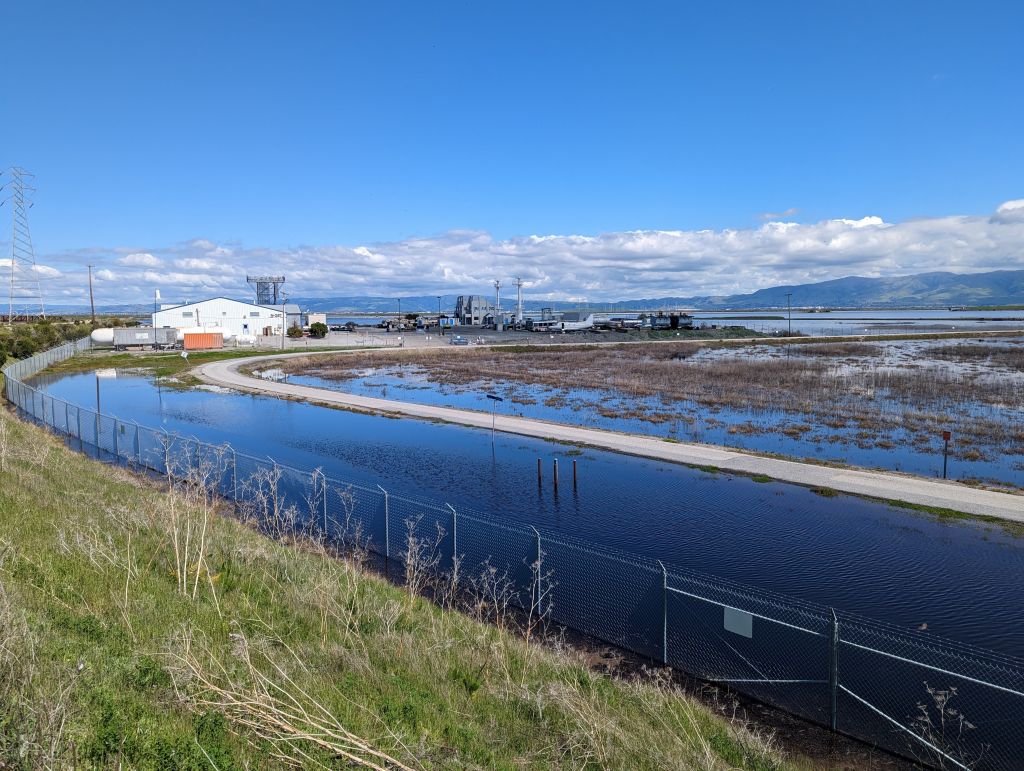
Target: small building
x,y
316,318
233,317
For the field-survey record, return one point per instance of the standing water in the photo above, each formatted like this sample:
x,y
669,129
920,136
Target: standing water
x,y
961,578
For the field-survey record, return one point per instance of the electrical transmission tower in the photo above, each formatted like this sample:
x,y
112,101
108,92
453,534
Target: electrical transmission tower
x,y
268,288
25,294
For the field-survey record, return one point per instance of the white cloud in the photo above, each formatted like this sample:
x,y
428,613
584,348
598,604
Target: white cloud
x,y
1010,212
105,275
140,260
769,215
45,271
617,265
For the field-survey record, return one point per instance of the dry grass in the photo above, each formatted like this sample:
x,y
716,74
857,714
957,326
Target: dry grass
x,y
1009,357
808,384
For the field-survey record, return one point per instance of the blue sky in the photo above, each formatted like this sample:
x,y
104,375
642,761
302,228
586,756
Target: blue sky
x,y
273,130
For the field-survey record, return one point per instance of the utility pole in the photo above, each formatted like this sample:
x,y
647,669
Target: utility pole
x,y
399,314
789,308
92,304
497,303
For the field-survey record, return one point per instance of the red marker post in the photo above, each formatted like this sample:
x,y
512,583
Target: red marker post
x,y
946,436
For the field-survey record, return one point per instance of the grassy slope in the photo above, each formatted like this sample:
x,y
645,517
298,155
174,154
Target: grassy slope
x,y
96,636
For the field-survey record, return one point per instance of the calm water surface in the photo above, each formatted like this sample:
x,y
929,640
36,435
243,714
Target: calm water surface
x,y
964,580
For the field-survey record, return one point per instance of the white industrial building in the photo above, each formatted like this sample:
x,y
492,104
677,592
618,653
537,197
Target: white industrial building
x,y
222,314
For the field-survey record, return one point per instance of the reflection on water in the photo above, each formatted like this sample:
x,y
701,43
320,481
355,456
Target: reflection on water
x,y
962,579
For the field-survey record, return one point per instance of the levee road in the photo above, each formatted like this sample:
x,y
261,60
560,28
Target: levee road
x,y
876,484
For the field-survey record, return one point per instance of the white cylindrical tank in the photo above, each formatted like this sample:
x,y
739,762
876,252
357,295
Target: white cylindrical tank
x,y
226,333
103,336
188,330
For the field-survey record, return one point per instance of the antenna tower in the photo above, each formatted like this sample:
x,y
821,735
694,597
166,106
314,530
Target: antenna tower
x,y
519,300
497,304
24,291
268,289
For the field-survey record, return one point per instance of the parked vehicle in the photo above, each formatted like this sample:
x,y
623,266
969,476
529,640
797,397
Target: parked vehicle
x,y
458,340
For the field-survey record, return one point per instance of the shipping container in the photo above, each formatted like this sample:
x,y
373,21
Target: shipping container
x,y
200,341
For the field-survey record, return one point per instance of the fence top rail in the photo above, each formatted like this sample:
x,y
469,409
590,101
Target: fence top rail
x,y
744,610
929,642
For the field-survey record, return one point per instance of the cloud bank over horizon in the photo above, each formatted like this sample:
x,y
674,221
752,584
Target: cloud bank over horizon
x,y
608,266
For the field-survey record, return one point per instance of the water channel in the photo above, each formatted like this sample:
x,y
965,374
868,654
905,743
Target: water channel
x,y
961,579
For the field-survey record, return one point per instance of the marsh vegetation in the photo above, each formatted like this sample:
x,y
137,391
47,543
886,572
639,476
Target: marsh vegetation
x,y
892,399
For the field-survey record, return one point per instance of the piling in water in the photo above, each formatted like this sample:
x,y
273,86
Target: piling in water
x,y
554,473
574,474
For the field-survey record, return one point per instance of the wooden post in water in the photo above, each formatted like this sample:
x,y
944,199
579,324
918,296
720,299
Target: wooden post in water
x,y
554,472
538,472
574,474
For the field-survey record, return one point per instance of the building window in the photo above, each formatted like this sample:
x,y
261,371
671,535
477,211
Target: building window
x,y
186,314
254,315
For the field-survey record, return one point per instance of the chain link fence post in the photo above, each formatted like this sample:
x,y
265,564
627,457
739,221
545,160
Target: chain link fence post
x,y
833,669
664,614
387,529
323,485
536,578
455,535
117,455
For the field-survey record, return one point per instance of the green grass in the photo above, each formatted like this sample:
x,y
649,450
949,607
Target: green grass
x,y
114,653
1010,527
169,364
825,492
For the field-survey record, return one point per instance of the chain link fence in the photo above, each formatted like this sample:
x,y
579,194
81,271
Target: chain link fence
x,y
942,703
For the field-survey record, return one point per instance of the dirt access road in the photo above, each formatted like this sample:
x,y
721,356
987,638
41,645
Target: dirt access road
x,y
876,484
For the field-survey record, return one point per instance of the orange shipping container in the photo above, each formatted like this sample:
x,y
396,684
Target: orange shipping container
x,y
198,341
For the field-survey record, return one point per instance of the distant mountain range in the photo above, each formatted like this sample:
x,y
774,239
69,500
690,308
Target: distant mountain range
x,y
925,290
1001,287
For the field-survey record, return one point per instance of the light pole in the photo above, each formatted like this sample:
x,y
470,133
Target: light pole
x,y
284,316
789,308
494,406
399,314
92,304
497,304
